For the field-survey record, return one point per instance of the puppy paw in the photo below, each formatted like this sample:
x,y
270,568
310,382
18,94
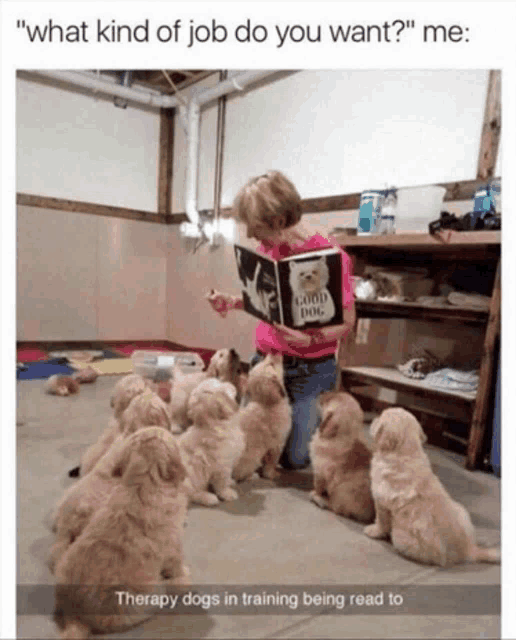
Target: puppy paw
x,y
205,498
374,531
228,494
319,500
269,473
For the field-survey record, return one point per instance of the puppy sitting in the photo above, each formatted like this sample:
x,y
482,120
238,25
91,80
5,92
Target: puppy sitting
x,y
266,420
133,540
412,505
341,459
81,500
124,391
224,365
212,445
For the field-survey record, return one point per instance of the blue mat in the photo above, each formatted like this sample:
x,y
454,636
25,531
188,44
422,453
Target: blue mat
x,y
45,369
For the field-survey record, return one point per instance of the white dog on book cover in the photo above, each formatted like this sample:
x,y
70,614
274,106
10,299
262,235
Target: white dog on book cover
x,y
311,299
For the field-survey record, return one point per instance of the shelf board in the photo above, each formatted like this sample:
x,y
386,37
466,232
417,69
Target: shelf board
x,y
422,241
392,379
415,311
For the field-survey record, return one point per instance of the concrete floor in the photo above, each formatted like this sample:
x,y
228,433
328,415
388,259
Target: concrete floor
x,y
272,538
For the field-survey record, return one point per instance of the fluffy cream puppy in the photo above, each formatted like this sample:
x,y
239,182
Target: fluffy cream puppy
x,y
412,506
123,392
224,365
213,443
341,458
81,500
266,420
132,542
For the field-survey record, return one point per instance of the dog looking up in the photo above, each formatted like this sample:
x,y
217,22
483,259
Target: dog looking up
x,y
80,501
132,542
341,458
224,365
266,420
412,505
123,392
211,446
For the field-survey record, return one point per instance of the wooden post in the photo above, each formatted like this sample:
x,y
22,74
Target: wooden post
x,y
491,128
481,410
166,159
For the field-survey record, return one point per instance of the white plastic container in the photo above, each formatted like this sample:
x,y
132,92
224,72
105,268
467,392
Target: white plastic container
x,y
417,207
159,365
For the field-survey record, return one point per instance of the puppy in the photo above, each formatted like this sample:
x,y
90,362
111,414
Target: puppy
x,y
224,365
266,420
213,444
131,542
59,385
341,459
146,409
124,391
412,505
81,500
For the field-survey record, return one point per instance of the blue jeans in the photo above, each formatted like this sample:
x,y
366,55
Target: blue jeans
x,y
304,381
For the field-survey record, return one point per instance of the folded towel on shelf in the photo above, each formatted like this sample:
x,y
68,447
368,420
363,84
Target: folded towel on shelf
x,y
470,300
453,380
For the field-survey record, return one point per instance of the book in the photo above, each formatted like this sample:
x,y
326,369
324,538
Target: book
x,y
302,291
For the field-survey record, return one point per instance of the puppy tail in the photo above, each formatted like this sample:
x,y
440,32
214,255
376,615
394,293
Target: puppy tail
x,y
486,554
75,630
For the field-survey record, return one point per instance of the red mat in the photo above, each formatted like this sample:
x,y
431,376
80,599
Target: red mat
x,y
30,354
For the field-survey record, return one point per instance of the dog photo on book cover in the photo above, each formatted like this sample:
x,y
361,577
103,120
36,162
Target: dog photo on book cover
x,y
311,298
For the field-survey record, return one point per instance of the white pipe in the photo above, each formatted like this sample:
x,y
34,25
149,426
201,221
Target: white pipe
x,y
194,119
237,83
96,84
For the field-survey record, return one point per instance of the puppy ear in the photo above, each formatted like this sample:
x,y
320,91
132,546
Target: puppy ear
x,y
121,463
226,407
329,427
170,466
385,438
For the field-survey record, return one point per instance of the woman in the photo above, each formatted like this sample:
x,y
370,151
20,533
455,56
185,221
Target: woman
x,y
270,207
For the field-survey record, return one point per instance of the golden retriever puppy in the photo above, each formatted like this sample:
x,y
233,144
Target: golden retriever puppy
x,y
412,506
81,500
59,385
124,391
266,420
132,542
78,503
341,458
224,365
214,442
146,409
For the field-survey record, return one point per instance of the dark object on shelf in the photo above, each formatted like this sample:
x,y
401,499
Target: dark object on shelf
x,y
472,221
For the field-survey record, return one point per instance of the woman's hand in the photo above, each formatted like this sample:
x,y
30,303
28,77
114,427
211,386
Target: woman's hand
x,y
222,302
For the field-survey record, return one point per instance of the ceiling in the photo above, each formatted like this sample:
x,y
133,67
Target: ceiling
x,y
166,81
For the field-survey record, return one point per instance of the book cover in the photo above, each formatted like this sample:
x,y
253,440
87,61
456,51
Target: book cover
x,y
302,291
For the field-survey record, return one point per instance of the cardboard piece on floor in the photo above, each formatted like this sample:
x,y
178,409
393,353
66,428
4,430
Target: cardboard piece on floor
x,y
108,367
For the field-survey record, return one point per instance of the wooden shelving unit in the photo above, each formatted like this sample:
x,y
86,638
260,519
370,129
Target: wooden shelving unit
x,y
401,250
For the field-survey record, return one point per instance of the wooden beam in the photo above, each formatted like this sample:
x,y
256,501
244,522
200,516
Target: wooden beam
x,y
77,206
461,190
485,378
491,129
166,159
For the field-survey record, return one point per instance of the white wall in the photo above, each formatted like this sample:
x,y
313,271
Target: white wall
x,y
80,147
332,132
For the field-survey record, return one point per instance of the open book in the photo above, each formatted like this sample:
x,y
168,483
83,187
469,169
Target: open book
x,y
302,291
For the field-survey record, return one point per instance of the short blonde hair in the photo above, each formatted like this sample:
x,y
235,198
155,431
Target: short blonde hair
x,y
267,199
